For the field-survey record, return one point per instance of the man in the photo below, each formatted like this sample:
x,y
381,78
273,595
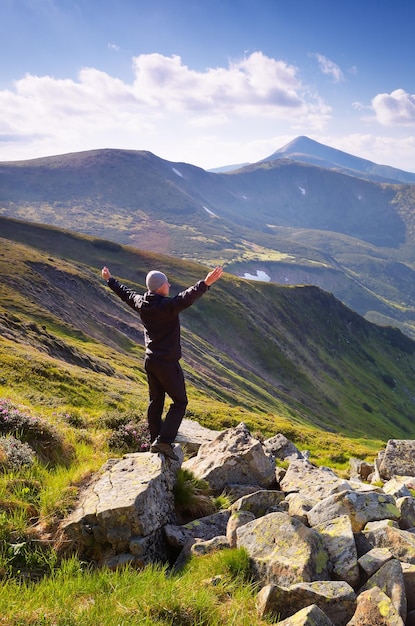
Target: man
x,y
160,317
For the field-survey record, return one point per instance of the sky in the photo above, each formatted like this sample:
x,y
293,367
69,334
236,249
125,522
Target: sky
x,y
207,82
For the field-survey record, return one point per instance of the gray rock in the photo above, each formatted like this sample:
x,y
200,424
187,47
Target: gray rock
x,y
375,608
236,520
233,457
398,459
339,541
390,579
204,528
283,551
130,497
360,507
335,598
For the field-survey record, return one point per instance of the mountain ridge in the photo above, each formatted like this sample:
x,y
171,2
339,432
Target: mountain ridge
x,y
293,352
286,221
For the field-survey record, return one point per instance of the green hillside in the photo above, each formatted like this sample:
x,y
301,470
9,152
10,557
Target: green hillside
x,y
257,352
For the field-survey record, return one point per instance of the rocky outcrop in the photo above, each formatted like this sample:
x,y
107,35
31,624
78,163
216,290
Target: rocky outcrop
x,y
233,457
120,515
323,550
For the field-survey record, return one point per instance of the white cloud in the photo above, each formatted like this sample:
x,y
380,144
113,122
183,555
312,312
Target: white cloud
x,y
168,108
396,108
329,67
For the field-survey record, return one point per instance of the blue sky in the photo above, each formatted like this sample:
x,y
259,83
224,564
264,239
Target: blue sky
x,y
207,82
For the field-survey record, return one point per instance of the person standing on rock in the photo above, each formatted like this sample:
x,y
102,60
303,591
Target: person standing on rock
x,y
160,317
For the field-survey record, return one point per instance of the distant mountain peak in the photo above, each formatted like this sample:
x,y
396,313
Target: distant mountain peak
x,y
306,150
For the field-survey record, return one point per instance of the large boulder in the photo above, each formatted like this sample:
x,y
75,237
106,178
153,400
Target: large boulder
x,y
315,482
335,598
397,459
233,457
360,507
283,551
123,510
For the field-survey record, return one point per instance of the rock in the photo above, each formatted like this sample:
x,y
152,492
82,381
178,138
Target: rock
x,y
396,487
398,459
192,435
373,560
310,616
204,528
283,551
281,448
130,499
299,505
316,483
259,502
389,578
236,520
406,508
400,543
233,457
200,548
374,608
339,541
408,571
335,598
360,507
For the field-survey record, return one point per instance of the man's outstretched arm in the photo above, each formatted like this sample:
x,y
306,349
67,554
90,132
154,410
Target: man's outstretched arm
x,y
213,276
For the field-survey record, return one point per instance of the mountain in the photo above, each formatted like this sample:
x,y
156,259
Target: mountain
x,y
306,150
281,221
282,357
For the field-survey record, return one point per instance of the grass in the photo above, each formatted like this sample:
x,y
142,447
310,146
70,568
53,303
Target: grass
x,y
210,591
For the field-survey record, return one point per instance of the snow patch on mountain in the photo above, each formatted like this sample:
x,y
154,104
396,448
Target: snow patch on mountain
x,y
260,275
302,191
177,172
210,212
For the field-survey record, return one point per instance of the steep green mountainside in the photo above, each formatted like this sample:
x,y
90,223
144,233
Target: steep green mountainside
x,y
287,221
287,353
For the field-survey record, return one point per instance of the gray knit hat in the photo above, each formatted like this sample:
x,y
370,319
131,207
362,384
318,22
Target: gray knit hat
x,y
155,279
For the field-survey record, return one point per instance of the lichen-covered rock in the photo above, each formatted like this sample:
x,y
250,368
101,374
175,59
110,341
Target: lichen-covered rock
x,y
389,578
408,571
373,560
315,482
335,598
310,616
400,543
282,550
281,448
200,548
234,456
406,508
132,497
375,608
360,507
339,541
397,459
192,435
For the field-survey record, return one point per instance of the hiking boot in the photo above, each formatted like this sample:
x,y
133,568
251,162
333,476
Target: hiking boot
x,y
164,448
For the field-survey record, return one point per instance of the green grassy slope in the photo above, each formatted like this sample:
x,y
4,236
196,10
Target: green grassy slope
x,y
291,355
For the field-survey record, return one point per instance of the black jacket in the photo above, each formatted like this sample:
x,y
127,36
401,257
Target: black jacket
x,y
160,317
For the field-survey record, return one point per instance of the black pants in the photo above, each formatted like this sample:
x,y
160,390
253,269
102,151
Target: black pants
x,y
165,377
